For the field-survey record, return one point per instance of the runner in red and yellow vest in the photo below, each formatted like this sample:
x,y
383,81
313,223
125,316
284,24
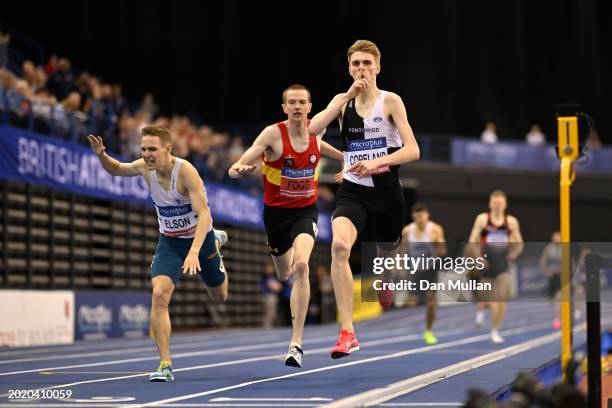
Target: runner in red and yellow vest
x,y
290,157
292,181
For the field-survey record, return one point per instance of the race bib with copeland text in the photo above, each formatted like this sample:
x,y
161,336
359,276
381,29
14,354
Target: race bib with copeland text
x,y
365,149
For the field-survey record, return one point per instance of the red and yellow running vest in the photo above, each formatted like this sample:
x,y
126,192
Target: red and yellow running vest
x,y
292,180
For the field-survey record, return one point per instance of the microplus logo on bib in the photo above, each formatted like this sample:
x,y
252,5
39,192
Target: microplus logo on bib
x,y
298,173
367,144
174,211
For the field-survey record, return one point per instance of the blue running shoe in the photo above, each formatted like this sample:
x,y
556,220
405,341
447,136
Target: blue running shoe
x,y
163,373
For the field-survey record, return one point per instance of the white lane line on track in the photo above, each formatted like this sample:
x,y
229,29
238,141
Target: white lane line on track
x,y
402,322
189,339
154,357
380,395
102,345
384,341
310,337
468,340
236,405
178,339
97,405
151,348
255,399
423,404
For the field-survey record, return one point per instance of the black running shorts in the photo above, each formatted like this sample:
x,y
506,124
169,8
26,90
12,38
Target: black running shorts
x,y
283,225
381,209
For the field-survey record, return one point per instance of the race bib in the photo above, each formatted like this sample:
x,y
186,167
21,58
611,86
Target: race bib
x,y
177,221
497,240
297,182
365,149
497,237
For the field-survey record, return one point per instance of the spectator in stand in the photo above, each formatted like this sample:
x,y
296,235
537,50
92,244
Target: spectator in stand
x,y
41,80
5,39
129,137
130,128
51,66
72,102
35,77
96,109
535,137
69,119
489,135
7,79
19,102
61,82
107,118
29,74
594,142
23,88
143,119
120,105
148,105
236,149
270,287
87,103
180,147
198,147
82,86
106,96
42,109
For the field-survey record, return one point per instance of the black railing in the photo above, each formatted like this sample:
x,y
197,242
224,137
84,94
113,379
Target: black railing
x,y
594,264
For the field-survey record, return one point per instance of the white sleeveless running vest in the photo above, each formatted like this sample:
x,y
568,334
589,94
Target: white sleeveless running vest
x,y
174,213
368,138
420,245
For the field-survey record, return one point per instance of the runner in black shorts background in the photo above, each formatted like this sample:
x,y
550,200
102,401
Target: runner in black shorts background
x,y
497,237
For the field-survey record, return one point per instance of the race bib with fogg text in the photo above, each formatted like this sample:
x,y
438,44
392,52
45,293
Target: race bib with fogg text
x,y
365,149
177,221
297,182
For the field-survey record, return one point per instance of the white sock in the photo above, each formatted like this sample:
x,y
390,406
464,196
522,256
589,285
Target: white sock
x,y
480,316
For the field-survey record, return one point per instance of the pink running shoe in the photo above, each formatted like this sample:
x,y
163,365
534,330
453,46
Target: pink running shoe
x,y
346,344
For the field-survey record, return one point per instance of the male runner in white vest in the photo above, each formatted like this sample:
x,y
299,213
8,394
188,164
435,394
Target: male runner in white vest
x,y
187,243
376,139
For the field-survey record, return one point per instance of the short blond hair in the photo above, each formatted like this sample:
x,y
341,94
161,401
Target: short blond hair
x,y
498,193
295,87
159,131
364,46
